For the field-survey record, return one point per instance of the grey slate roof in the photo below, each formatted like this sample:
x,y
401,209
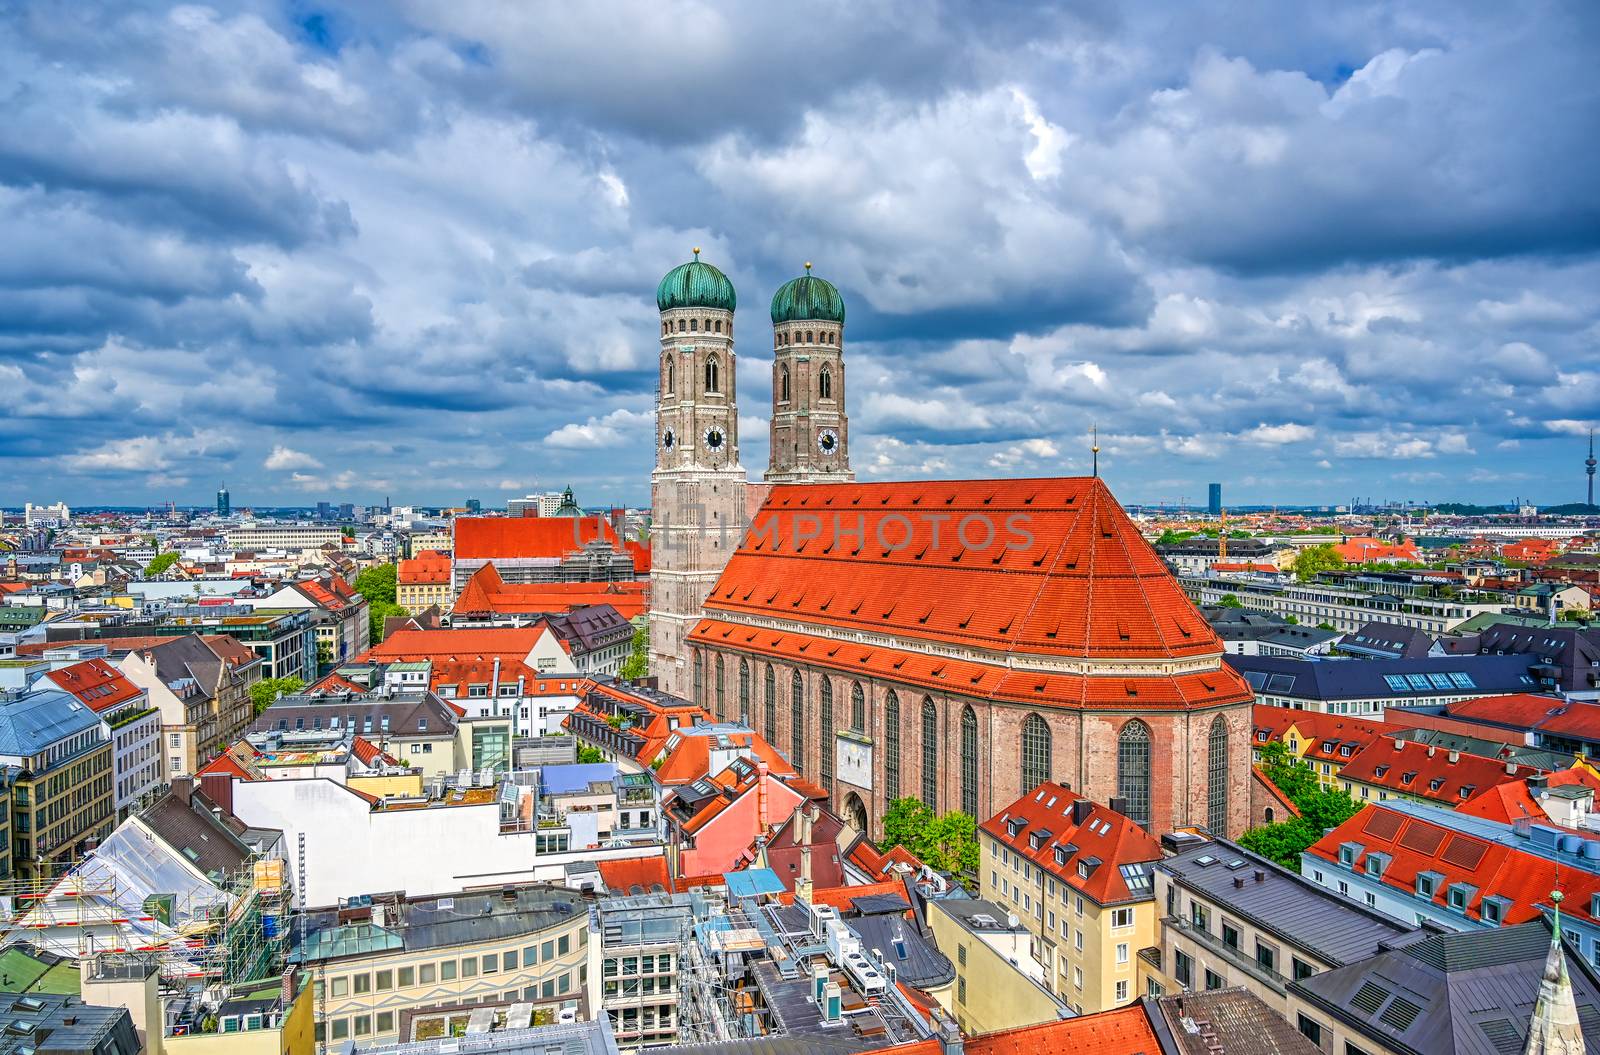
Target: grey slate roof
x,y
29,724
440,922
1236,1019
1297,910
404,711
1358,679
916,960
1388,640
200,838
1441,994
63,1025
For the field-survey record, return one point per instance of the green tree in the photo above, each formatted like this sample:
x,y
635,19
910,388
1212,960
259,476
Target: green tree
x,y
1230,601
1282,843
1312,560
1290,775
905,824
1292,620
951,844
588,754
159,564
263,692
637,665
377,612
1325,625
377,583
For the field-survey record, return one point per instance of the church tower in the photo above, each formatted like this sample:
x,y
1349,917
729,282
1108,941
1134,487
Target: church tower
x,y
698,486
810,433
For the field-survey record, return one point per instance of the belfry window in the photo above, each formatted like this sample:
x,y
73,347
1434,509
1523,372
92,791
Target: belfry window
x,y
783,384
694,325
711,374
825,384
718,325
672,376
810,337
682,325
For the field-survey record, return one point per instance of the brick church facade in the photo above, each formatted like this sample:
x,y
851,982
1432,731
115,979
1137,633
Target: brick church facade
x,y
954,641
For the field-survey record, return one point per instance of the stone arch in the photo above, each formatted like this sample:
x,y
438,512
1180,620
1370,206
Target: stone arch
x,y
855,811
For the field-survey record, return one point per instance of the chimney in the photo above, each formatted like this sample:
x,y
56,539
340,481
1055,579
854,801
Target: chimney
x,y
1432,750
802,886
1511,769
183,788
1453,757
1261,875
805,864
1081,808
763,812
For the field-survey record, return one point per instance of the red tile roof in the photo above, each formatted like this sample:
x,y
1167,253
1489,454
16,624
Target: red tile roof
x,y
1273,792
485,593
489,538
1514,800
1448,778
1049,567
636,875
1124,1031
97,685
1047,818
840,897
1415,845
370,754
1267,569
1521,710
1363,550
428,568
1326,735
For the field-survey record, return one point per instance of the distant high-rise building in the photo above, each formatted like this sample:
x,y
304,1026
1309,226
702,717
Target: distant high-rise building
x,y
1214,503
474,506
347,511
324,511
57,515
224,503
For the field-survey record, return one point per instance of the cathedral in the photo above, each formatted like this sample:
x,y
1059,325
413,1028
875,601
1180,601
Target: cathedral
x,y
955,641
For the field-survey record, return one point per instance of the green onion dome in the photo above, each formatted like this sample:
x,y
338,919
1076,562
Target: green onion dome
x,y
695,285
807,298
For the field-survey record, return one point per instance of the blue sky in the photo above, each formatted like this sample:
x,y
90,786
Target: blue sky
x,y
342,251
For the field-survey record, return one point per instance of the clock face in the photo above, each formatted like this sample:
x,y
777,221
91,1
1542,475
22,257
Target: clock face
x,y
715,438
827,441
668,439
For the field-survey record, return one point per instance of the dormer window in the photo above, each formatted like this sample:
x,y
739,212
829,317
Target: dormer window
x,y
1348,852
1376,863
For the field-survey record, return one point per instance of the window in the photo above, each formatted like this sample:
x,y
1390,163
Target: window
x,y
797,719
469,967
770,686
699,677
1200,916
363,1025
858,708
1311,1030
1035,752
891,746
1133,770
385,981
425,974
1077,978
1267,956
825,384
1122,992
826,721
508,960
1122,952
1217,777
930,754
783,384
744,691
1302,970
961,988
722,704
1121,918
361,983
1230,935
341,1029
969,762
447,971
1183,968
1213,979
711,369
339,987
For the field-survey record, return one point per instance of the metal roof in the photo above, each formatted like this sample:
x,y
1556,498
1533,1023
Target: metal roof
x,y
1281,902
29,724
1346,679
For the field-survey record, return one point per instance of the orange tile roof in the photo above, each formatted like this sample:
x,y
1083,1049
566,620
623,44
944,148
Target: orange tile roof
x,y
1363,550
1100,833
1513,800
370,754
1274,792
1415,845
486,593
1326,735
840,897
1124,1031
488,538
428,568
636,875
97,685
1521,710
1428,772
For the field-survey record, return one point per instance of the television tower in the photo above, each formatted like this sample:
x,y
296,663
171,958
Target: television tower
x,y
1588,466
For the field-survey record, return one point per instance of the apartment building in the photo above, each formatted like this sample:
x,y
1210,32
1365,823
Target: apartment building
x,y
999,984
634,966
256,535
200,685
374,958
1341,607
1367,687
423,580
1078,876
1231,918
132,723
61,803
1323,742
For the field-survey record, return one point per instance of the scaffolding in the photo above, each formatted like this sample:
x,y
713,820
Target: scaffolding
x,y
197,933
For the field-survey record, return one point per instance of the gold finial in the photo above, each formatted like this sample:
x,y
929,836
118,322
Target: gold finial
x,y
697,252
1094,448
808,267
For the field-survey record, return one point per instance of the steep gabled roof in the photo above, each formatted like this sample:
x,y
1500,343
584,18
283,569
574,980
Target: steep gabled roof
x,y
1448,778
1087,846
428,568
97,685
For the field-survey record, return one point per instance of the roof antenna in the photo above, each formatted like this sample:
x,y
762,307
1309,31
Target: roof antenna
x,y
1094,449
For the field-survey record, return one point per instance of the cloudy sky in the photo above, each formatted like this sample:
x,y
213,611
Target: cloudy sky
x,y
347,250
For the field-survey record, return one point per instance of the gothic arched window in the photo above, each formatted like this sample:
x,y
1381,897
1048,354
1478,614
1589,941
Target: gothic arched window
x,y
722,704
825,384
744,691
772,704
797,720
969,762
1217,777
858,708
891,747
783,384
1133,771
1035,752
711,374
825,707
930,754
672,375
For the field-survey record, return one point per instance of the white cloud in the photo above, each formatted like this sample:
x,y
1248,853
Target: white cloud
x,y
283,457
1277,435
142,454
617,429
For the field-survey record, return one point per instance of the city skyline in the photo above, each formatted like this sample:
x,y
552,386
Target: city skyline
x,y
339,254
